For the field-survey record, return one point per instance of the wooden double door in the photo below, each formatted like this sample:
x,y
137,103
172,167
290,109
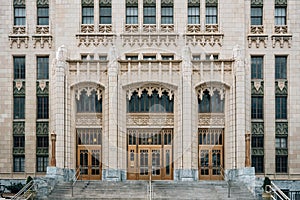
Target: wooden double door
x,y
150,156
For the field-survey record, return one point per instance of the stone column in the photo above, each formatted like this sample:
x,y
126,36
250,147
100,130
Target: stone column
x,y
247,140
53,145
112,172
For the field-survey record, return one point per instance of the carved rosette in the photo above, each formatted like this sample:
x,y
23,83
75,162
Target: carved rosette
x,y
150,119
281,128
150,89
257,128
211,119
105,29
281,87
88,119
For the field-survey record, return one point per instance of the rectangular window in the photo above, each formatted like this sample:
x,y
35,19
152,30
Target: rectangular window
x,y
150,13
196,57
280,67
171,57
194,13
281,142
131,14
43,107
280,15
167,13
149,57
257,107
281,163
42,141
257,141
131,57
257,64
19,141
19,15
211,16
258,163
281,107
43,15
213,56
256,15
43,67
105,14
42,163
87,14
19,67
19,107
19,163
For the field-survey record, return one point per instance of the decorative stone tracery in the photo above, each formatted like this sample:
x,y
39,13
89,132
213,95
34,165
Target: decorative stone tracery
x,y
211,88
89,89
150,89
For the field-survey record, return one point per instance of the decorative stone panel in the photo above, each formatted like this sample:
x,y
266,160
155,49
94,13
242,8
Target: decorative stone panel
x,y
87,2
211,88
42,36
88,119
18,128
167,28
105,28
257,87
257,151
280,2
282,39
42,151
166,2
194,2
257,128
257,2
42,128
131,28
282,152
42,3
150,88
19,88
95,40
281,87
18,151
211,2
132,2
147,119
211,119
257,36
105,2
149,40
18,36
42,88
87,28
281,128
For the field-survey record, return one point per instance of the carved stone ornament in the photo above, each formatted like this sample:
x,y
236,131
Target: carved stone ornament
x,y
42,87
257,128
257,40
211,119
42,3
132,2
150,119
19,3
18,128
105,29
211,88
194,2
257,2
281,40
257,87
42,40
166,2
89,89
19,88
257,29
95,40
42,128
280,2
150,89
257,151
282,152
281,128
105,2
281,29
190,29
211,2
281,87
149,40
87,119
149,2
87,2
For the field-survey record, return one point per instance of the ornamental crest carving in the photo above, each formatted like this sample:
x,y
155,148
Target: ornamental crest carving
x,y
42,2
19,3
149,2
194,2
257,87
42,88
280,2
132,2
166,2
257,2
257,128
105,2
281,87
87,2
150,89
19,88
212,2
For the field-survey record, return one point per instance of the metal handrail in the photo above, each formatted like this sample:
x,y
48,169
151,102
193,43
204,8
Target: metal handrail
x,y
150,187
75,178
24,190
222,171
276,192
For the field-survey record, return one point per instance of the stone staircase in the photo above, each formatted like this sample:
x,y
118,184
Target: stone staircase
x,y
208,190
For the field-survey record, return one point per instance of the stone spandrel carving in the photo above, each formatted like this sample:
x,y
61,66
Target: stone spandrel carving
x,y
257,128
257,87
18,128
19,3
150,120
88,120
281,87
257,2
150,89
19,88
42,3
87,2
105,2
211,119
132,2
42,128
281,2
281,128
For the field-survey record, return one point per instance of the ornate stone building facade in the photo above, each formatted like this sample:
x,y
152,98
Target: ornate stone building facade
x,y
160,89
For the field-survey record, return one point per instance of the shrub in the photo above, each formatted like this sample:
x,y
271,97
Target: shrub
x,y
15,187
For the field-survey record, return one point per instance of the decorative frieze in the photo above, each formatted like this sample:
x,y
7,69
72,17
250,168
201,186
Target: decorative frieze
x,y
280,2
18,36
281,128
95,40
42,3
19,3
88,89
167,28
42,128
211,119
105,28
282,152
193,28
257,87
147,119
149,40
257,2
18,151
88,119
42,88
257,128
281,87
19,88
42,151
87,2
282,39
87,28
132,2
257,151
18,128
204,39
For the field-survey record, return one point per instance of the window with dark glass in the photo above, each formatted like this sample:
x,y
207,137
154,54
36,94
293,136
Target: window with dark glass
x,y
256,15
258,163
89,103
281,107
194,13
257,67
43,67
257,141
43,14
281,163
152,104
19,15
19,67
19,141
257,107
149,13
131,13
42,163
19,107
213,56
211,14
280,67
211,103
19,163
281,142
280,15
42,141
167,57
89,136
88,14
149,57
105,13
42,107
167,13
132,57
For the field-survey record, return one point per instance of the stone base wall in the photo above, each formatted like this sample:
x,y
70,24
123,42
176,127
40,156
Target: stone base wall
x,y
185,174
